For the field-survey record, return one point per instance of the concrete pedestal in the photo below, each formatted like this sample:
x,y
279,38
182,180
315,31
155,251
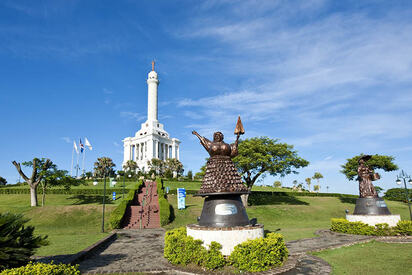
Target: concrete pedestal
x,y
391,220
228,237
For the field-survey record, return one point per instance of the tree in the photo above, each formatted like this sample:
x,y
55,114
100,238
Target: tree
x,y
17,242
350,168
104,166
130,166
53,177
316,188
39,168
260,155
317,176
202,172
175,166
308,182
277,184
156,165
3,181
190,174
295,183
378,189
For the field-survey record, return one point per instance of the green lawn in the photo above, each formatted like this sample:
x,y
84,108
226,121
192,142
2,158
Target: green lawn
x,y
294,218
71,222
370,258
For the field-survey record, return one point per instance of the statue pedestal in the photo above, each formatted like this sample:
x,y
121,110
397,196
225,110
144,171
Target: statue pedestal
x,y
391,220
371,206
372,211
228,237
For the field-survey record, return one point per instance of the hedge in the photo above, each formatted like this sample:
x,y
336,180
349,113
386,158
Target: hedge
x,y
381,229
253,255
117,215
260,254
165,209
77,191
42,268
397,194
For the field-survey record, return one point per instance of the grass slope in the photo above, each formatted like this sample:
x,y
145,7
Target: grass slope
x,y
295,219
371,258
71,222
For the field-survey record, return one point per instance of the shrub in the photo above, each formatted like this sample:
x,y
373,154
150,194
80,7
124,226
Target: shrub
x,y
42,268
117,215
357,228
397,194
253,255
17,242
181,249
404,228
380,229
260,254
61,191
165,209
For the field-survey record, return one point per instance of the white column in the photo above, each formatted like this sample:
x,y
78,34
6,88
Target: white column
x,y
173,151
177,153
152,83
157,149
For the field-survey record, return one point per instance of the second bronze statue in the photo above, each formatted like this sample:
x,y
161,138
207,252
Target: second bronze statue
x,y
221,174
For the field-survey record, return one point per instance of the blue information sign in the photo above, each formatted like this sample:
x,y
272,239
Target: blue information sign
x,y
181,198
114,196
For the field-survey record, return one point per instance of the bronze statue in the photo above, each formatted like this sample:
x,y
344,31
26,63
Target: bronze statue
x,y
221,174
365,177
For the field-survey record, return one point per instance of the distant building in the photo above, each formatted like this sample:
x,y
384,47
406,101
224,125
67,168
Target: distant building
x,y
151,141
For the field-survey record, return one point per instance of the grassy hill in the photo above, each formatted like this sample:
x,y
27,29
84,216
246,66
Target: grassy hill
x,y
71,222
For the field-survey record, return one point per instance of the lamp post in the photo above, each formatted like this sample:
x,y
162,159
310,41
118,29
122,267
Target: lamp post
x,y
104,198
402,175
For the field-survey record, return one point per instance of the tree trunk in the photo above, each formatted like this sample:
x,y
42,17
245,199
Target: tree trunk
x,y
43,195
33,196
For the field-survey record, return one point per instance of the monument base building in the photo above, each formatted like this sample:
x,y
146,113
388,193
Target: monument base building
x,y
151,141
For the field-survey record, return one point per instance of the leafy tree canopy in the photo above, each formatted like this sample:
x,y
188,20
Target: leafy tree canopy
x,y
104,166
350,168
317,176
261,155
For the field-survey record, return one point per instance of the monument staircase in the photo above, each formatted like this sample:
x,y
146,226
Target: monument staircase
x,y
144,211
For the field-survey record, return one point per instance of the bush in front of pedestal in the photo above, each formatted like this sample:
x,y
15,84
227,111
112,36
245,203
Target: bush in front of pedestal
x,y
380,229
404,228
42,268
260,254
181,249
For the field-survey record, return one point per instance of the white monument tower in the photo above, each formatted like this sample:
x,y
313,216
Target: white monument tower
x,y
151,141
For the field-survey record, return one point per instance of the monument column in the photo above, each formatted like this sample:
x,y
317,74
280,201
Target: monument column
x,y
152,84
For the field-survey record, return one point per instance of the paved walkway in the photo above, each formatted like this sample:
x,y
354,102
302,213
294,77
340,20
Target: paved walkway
x,y
142,251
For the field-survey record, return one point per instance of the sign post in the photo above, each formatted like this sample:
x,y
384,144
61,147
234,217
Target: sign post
x,y
181,198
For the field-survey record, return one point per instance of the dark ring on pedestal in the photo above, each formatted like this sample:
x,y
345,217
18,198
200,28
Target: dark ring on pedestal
x,y
221,193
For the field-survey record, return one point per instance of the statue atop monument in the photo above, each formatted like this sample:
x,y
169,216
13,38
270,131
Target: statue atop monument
x,y
221,174
365,177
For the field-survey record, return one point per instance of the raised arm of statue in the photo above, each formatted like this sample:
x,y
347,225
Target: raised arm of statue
x,y
204,141
233,147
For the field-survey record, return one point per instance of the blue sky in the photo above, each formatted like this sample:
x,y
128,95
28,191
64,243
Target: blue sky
x,y
333,78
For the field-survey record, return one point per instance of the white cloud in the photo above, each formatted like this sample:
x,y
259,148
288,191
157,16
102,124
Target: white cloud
x,y
132,115
335,78
66,139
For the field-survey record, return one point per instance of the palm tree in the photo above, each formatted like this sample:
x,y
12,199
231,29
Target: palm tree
x,y
104,166
308,182
130,166
317,176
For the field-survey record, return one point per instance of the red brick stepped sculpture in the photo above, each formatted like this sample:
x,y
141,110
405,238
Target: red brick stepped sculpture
x,y
144,211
